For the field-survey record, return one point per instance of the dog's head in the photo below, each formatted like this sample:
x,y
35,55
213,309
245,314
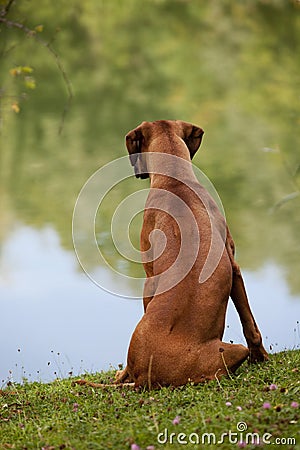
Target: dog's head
x,y
138,140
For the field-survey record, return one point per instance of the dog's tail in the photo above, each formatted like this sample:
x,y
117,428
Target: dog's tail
x,y
116,384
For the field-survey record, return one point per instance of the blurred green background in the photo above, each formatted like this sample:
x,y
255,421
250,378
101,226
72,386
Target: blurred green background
x,y
231,67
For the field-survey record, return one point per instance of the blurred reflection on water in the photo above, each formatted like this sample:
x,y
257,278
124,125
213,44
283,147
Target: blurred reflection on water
x,y
231,68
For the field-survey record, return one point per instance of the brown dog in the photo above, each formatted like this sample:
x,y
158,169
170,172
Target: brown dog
x,y
188,256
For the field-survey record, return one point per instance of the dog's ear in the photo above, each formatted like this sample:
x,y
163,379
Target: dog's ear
x,y
192,136
134,142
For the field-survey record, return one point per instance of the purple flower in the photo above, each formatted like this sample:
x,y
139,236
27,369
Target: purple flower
x,y
228,404
176,421
135,447
75,407
239,408
242,444
273,387
294,404
266,405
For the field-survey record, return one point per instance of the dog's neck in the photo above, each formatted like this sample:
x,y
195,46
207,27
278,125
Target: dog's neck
x,y
164,170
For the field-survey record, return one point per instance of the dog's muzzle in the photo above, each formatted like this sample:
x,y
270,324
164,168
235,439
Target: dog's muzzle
x,y
138,161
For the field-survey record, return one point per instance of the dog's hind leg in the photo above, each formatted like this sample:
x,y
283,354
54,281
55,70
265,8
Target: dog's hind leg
x,y
232,355
223,360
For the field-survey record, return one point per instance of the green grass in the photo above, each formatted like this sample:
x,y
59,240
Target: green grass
x,y
63,415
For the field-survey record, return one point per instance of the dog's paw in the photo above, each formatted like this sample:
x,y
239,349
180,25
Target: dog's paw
x,y
122,376
258,354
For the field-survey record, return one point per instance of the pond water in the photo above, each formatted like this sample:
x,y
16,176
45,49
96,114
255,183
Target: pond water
x,y
230,68
63,323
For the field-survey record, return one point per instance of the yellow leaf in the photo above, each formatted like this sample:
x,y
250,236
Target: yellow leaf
x,y
26,69
30,82
14,72
15,107
20,70
39,28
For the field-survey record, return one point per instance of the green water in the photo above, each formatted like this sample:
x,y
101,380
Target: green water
x,y
231,67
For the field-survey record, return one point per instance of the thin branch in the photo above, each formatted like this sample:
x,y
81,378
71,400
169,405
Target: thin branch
x,y
284,200
6,8
47,45
293,174
67,83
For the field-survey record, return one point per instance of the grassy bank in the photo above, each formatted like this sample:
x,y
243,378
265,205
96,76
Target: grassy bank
x,y
260,402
